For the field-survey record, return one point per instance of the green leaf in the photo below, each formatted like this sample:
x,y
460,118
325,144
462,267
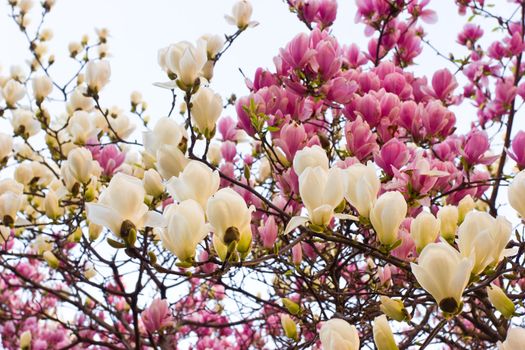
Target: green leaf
x,y
116,244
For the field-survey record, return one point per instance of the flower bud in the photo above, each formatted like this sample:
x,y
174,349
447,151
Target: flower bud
x,y
25,340
51,259
6,146
465,205
153,183
518,149
186,228
214,154
500,301
383,336
386,217
289,326
362,187
448,222
90,273
241,15
393,308
97,75
337,334
42,87
206,108
424,229
52,206
291,306
12,92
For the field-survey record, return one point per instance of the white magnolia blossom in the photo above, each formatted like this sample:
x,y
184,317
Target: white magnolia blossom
x,y
185,60
230,218
446,283
515,339
206,110
197,181
81,127
25,123
6,146
485,238
214,153
166,132
310,157
10,204
424,229
383,336
321,192
386,217
12,92
337,334
186,228
448,217
241,15
97,74
120,124
80,165
153,183
42,87
52,206
516,193
121,206
362,187
170,161
78,100
214,44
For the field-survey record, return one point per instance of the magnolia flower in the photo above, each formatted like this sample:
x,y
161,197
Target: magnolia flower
x,y
241,15
153,183
185,60
24,123
78,100
157,316
185,229
465,205
424,229
121,207
321,192
362,187
81,127
166,132
310,157
206,108
289,326
383,337
515,339
516,193
51,205
170,161
386,216
230,217
6,146
214,44
500,301
42,87
97,75
393,308
10,204
448,217
81,165
12,92
485,238
337,334
197,181
446,283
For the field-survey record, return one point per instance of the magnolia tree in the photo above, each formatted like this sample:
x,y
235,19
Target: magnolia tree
x,y
339,209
